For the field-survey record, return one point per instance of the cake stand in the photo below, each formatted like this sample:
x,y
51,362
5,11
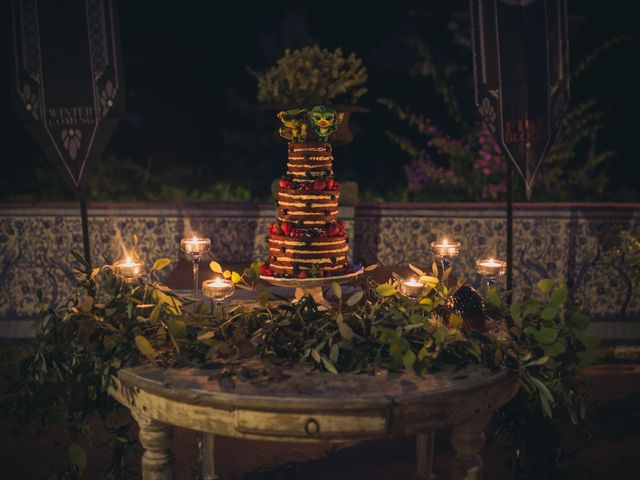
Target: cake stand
x,y
313,286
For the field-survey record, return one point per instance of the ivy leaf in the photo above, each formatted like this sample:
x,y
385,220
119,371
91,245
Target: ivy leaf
x,y
385,290
215,267
494,298
235,277
559,295
78,457
455,320
545,285
328,364
408,359
549,312
337,290
355,298
160,264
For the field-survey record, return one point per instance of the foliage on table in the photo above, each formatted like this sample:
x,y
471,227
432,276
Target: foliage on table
x,y
312,76
107,324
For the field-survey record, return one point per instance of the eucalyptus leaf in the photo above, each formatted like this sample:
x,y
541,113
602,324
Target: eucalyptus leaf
x,y
337,290
355,298
215,267
416,270
328,364
385,290
334,353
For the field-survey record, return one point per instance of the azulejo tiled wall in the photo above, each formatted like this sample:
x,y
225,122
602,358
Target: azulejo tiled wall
x,y
558,241
566,242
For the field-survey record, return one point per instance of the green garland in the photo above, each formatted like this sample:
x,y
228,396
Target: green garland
x,y
107,324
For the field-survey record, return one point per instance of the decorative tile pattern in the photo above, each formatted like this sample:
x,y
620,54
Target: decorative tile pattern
x,y
36,245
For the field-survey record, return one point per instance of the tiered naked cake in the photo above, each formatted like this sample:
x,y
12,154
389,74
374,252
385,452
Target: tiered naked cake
x,y
308,239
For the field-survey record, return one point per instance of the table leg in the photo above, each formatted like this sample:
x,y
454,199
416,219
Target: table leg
x,y
155,437
424,456
207,456
468,440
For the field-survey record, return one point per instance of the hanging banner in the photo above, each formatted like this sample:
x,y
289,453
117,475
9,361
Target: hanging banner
x,y
66,79
521,73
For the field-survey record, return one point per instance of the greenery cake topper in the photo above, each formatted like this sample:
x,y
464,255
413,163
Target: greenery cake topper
x,y
302,125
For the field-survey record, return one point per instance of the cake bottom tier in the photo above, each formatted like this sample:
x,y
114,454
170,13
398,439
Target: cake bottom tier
x,y
317,256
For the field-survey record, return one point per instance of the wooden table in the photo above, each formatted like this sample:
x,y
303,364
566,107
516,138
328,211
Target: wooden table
x,y
301,405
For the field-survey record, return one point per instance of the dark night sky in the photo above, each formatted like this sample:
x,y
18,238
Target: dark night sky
x,y
186,73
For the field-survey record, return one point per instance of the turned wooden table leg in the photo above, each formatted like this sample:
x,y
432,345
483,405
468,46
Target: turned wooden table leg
x,y
207,456
424,456
468,440
155,437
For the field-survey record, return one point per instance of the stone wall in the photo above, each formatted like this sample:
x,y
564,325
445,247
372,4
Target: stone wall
x,y
564,241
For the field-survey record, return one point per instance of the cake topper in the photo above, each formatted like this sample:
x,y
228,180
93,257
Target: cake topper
x,y
321,120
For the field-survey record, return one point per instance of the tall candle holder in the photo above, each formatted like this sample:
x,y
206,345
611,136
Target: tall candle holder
x,y
195,247
445,251
491,269
217,290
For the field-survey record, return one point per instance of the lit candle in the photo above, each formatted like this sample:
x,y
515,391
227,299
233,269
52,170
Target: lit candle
x,y
195,245
128,268
445,248
411,288
218,289
491,268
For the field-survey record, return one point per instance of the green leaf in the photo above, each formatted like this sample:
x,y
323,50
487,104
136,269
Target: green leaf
x,y
345,331
554,350
177,328
78,457
397,346
155,313
355,298
160,264
549,312
235,277
545,285
408,359
419,272
329,365
559,295
586,358
494,298
337,290
547,335
385,290
334,353
315,355
546,398
144,346
215,267
579,321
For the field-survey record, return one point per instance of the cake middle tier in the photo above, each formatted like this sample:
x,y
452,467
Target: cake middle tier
x,y
288,255
309,161
311,208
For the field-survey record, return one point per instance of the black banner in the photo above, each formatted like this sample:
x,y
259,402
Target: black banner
x,y
67,84
520,53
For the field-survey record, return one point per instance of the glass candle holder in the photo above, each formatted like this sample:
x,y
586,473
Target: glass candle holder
x,y
491,269
412,288
445,251
195,247
128,269
217,290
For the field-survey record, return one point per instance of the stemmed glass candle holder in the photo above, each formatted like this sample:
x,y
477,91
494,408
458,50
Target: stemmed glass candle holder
x,y
444,250
491,269
195,247
411,288
217,290
128,269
